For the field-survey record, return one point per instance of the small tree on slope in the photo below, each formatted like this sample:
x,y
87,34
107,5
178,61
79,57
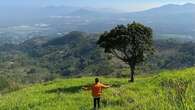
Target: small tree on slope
x,y
131,44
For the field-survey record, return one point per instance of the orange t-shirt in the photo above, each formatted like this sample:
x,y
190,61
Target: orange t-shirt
x,y
97,89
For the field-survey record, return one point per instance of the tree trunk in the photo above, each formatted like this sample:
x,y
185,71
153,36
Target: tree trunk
x,y
132,67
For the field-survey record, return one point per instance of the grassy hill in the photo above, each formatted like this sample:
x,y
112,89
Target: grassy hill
x,y
169,90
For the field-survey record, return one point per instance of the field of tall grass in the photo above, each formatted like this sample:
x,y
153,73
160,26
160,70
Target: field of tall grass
x,y
168,90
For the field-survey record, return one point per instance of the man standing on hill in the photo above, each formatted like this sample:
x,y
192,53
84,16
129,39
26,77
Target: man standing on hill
x,y
96,92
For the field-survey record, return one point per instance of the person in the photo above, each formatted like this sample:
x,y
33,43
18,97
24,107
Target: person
x,y
96,90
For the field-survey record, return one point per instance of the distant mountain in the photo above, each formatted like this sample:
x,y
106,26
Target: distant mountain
x,y
172,8
169,19
84,12
31,15
172,19
93,12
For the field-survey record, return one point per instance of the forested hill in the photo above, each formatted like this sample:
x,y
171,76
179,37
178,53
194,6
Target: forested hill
x,y
43,59
67,55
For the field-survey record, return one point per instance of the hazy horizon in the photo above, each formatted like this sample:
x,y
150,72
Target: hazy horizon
x,y
22,16
126,5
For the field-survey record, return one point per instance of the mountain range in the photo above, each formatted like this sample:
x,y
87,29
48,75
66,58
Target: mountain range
x,y
166,20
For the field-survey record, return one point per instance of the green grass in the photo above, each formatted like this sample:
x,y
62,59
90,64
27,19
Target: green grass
x,y
169,90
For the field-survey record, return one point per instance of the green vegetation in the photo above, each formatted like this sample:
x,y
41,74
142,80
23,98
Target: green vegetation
x,y
169,90
42,59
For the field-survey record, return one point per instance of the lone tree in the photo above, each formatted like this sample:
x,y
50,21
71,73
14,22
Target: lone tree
x,y
131,44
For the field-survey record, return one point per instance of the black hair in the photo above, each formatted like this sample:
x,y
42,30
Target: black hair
x,y
96,80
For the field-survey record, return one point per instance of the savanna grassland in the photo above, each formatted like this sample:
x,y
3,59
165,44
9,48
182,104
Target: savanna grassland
x,y
168,90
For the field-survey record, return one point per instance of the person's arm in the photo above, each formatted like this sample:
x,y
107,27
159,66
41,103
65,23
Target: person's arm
x,y
105,86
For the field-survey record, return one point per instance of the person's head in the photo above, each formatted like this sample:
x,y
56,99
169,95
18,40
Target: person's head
x,y
96,80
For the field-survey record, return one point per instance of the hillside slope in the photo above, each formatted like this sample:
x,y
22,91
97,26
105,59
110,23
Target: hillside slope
x,y
170,90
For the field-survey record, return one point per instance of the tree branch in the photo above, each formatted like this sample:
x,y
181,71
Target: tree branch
x,y
117,55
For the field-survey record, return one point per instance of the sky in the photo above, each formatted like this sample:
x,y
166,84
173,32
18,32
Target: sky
x,y
124,5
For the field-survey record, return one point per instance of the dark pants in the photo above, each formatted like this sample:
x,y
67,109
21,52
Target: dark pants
x,y
96,101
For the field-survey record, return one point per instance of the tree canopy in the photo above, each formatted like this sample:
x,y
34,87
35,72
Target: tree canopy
x,y
131,43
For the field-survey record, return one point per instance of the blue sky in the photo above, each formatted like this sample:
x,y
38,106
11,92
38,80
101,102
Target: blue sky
x,y
126,5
